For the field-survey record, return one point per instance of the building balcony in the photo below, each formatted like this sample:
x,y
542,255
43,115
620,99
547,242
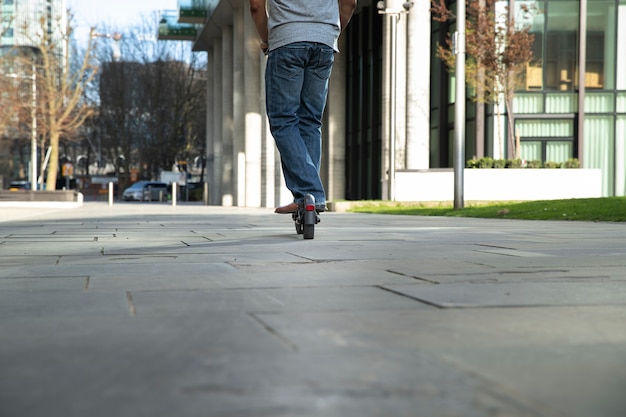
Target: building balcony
x,y
193,11
171,29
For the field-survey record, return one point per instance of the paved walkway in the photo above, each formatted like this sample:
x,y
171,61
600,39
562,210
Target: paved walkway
x,y
152,310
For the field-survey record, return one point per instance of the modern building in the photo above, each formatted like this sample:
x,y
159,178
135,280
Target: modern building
x,y
388,79
19,14
26,25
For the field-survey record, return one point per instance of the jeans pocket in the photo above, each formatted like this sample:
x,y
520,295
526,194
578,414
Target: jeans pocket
x,y
325,63
287,61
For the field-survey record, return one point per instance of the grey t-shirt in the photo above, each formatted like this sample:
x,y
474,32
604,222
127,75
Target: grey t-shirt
x,y
303,21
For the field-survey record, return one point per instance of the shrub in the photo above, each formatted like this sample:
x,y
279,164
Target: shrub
x,y
513,163
499,163
572,163
552,164
533,164
472,163
485,162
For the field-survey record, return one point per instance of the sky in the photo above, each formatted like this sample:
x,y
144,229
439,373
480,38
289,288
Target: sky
x,y
113,13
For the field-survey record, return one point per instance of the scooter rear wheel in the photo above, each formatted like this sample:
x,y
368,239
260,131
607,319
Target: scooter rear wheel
x,y
309,231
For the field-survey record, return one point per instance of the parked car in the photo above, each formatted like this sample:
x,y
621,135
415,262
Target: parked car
x,y
19,185
146,191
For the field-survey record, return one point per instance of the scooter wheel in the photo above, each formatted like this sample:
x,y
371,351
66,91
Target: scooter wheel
x,y
309,231
299,228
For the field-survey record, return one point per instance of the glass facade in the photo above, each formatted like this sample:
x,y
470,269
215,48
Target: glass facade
x,y
556,117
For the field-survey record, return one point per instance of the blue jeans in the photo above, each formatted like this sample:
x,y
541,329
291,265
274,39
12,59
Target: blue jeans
x,y
296,84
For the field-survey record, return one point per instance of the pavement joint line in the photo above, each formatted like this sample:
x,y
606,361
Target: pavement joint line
x,y
391,271
274,332
410,297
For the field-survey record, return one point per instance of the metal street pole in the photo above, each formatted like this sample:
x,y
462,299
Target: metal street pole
x,y
33,141
459,106
393,20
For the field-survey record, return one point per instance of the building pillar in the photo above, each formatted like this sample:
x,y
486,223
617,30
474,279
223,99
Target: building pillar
x,y
254,114
334,140
210,121
401,91
216,190
227,117
238,128
418,88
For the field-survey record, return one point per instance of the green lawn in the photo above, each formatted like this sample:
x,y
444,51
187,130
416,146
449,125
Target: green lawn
x,y
609,209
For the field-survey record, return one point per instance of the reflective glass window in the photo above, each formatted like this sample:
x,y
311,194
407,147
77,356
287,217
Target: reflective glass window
x,y
560,61
601,38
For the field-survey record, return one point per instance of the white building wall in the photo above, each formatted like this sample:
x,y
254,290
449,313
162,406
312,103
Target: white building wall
x,y
418,87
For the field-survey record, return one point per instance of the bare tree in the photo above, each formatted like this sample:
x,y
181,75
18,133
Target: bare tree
x,y
152,111
60,87
498,52
18,107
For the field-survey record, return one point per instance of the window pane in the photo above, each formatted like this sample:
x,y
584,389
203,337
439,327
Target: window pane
x,y
545,128
530,14
561,45
528,103
561,103
530,150
559,151
601,38
599,150
621,46
621,103
599,103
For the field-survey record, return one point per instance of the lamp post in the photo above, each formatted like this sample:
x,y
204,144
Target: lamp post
x,y
392,9
459,107
33,138
117,37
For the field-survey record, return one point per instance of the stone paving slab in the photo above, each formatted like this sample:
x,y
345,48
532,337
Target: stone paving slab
x,y
153,310
515,294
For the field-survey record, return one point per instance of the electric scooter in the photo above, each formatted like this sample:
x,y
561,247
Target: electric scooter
x,y
305,218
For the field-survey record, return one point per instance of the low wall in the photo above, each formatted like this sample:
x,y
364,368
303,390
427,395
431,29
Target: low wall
x,y
23,198
509,184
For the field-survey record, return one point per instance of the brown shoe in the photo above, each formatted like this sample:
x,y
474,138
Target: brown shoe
x,y
289,208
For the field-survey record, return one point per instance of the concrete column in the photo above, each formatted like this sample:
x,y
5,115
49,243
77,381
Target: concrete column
x,y
401,91
385,108
216,189
239,153
254,113
227,117
210,121
268,148
334,140
418,88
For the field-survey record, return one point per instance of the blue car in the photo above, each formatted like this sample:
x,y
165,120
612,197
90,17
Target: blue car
x,y
146,191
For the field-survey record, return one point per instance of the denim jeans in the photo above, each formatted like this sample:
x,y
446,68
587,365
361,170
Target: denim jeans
x,y
296,83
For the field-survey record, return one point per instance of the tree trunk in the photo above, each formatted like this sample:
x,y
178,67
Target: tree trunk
x,y
510,116
53,165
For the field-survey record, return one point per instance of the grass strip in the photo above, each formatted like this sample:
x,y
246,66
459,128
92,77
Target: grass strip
x,y
608,209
